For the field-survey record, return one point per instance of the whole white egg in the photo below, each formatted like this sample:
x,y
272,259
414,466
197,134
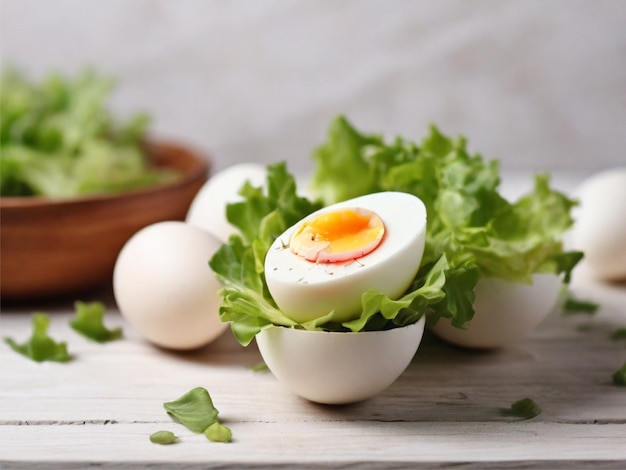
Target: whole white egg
x,y
329,259
208,209
165,288
504,312
600,224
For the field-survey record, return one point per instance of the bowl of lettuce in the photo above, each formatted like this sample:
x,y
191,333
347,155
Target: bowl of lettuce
x,y
76,183
473,232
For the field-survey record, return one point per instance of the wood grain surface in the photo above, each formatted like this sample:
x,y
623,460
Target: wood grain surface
x,y
448,409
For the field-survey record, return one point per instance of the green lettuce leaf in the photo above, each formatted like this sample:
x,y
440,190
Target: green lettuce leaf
x,y
41,347
526,408
194,410
59,140
472,231
163,437
619,376
239,265
217,432
480,233
89,322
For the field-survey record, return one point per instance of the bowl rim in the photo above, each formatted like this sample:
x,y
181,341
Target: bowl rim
x,y
18,202
303,331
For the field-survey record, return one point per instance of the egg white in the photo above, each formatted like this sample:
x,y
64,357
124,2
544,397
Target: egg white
x,y
305,290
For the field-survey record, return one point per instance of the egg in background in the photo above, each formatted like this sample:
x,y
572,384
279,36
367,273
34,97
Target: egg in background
x,y
307,289
164,287
208,209
600,224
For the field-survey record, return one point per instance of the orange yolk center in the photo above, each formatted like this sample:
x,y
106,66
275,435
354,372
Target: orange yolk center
x,y
340,235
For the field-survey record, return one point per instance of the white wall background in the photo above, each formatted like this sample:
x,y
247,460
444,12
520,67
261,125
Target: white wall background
x,y
539,84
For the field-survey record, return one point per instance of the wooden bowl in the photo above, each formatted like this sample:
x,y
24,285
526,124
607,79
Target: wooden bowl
x,y
52,248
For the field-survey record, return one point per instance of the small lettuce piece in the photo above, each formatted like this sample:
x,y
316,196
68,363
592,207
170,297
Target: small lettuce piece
x,y
89,322
526,408
217,432
163,437
194,410
573,306
41,347
619,377
427,290
619,333
259,367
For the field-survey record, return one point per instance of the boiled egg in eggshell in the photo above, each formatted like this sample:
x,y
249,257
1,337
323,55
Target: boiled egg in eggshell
x,y
504,312
329,259
600,224
208,209
164,287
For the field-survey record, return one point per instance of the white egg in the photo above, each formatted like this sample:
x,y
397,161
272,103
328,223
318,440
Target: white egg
x,y
165,288
306,289
600,224
208,209
336,368
504,312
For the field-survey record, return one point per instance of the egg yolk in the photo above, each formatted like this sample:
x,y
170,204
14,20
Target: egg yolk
x,y
340,235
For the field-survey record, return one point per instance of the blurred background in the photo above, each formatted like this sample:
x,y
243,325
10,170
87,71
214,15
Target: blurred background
x,y
537,84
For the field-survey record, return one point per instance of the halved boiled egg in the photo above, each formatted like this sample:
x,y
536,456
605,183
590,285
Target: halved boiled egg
x,y
329,259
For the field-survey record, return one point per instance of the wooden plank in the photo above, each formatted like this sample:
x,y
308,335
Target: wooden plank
x,y
314,443
449,407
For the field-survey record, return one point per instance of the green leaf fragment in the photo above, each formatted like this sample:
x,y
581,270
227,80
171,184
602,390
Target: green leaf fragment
x,y
194,410
217,432
619,377
260,367
526,408
618,334
41,347
89,322
163,438
573,305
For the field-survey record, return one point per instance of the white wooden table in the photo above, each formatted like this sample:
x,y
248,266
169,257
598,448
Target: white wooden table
x,y
447,409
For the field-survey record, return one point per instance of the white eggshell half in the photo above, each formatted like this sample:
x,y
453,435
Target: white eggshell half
x,y
208,209
504,312
305,290
338,368
165,288
600,224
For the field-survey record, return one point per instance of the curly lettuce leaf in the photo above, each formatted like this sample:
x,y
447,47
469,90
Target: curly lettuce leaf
x,y
480,233
261,217
58,139
239,265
